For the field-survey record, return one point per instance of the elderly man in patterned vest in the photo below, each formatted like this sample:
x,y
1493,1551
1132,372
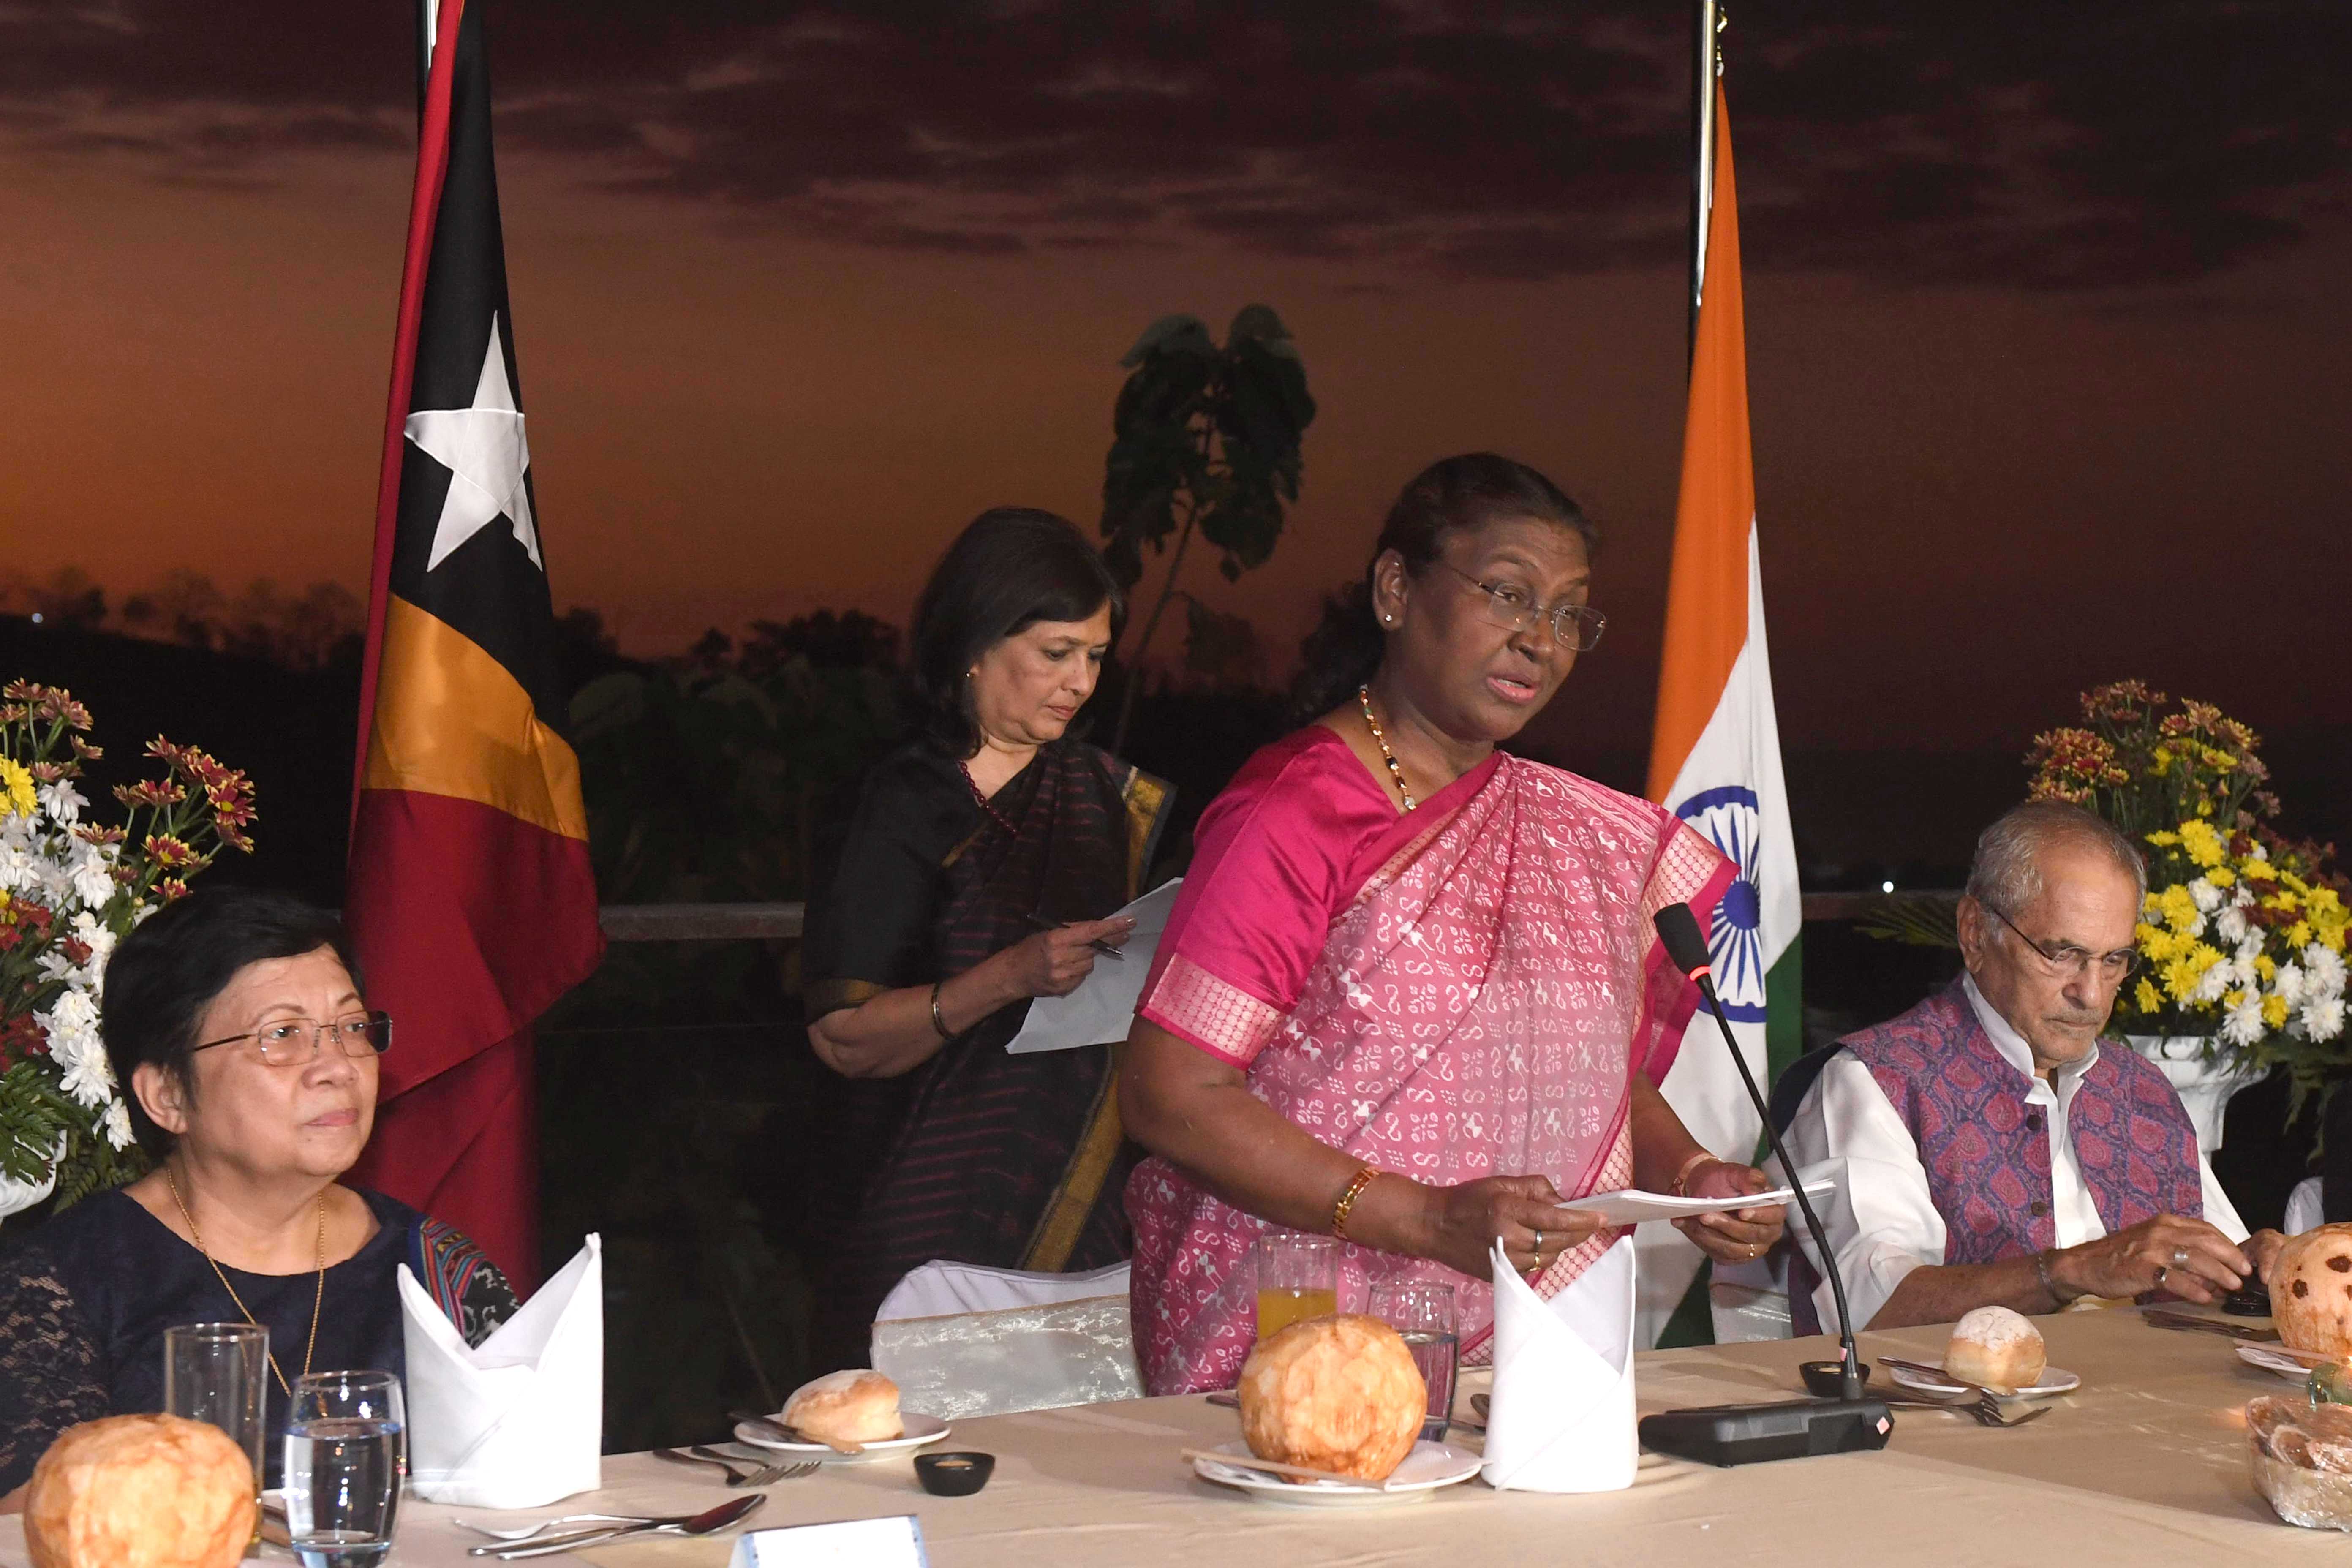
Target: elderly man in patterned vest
x,y
1990,1148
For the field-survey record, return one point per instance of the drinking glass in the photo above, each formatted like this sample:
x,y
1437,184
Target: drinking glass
x,y
220,1373
1298,1279
1423,1314
343,1442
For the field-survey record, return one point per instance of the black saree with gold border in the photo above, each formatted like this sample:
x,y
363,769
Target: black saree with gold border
x,y
1015,1161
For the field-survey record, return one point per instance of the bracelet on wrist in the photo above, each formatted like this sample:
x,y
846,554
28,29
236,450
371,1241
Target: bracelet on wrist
x,y
937,1022
1346,1200
1681,1188
2049,1282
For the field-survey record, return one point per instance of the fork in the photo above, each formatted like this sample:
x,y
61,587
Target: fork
x,y
569,1519
1986,1407
738,1472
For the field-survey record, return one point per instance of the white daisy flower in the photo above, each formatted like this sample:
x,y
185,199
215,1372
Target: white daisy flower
x,y
2213,983
2208,896
92,878
2287,985
2230,925
2243,1025
118,1124
2322,971
62,801
2323,1020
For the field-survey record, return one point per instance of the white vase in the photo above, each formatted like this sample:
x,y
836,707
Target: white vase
x,y
16,1197
2204,1086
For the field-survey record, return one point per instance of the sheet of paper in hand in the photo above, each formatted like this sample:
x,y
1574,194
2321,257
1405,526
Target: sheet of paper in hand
x,y
1634,1207
1102,1009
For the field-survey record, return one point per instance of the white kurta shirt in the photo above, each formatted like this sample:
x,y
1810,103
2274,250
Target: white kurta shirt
x,y
1882,1221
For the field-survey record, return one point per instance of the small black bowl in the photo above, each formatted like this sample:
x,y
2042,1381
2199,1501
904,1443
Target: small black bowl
x,y
1825,1379
954,1475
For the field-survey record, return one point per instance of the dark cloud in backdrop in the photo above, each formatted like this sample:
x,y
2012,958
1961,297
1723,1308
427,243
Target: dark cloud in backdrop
x,y
2079,146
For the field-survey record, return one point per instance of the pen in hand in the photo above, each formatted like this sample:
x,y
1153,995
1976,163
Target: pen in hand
x,y
1040,923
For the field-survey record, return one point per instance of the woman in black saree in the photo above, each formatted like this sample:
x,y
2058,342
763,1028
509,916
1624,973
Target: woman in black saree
x,y
975,876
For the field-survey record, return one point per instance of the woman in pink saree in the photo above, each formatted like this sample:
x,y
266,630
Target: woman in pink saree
x,y
1410,994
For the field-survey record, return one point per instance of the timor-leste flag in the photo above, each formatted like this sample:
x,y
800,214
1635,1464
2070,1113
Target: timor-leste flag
x,y
1715,753
470,897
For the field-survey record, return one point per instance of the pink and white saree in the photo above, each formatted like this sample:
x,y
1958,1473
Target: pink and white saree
x,y
1460,992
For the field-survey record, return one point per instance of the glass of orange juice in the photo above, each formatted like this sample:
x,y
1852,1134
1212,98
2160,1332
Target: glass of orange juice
x,y
1298,1279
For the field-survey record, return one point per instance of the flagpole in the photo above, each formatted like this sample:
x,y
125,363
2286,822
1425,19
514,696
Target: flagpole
x,y
1707,61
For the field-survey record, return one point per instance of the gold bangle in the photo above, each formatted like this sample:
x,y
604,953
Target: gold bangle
x,y
1348,1197
1683,1175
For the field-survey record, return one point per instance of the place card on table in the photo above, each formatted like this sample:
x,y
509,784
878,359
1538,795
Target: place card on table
x,y
895,1542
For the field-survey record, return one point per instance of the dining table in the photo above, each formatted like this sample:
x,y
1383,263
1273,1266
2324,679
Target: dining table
x,y
2144,1463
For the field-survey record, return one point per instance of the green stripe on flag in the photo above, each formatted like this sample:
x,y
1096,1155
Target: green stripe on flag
x,y
1692,1322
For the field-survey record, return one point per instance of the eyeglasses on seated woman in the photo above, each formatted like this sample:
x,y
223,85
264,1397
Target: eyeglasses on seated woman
x,y
236,1020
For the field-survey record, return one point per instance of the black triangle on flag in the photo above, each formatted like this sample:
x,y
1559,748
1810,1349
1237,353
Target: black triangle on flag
x,y
471,899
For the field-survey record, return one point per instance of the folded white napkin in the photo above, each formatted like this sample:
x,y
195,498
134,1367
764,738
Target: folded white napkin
x,y
520,1421
1561,1418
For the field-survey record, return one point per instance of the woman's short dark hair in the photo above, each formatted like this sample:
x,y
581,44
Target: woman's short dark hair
x,y
1011,567
1453,493
173,963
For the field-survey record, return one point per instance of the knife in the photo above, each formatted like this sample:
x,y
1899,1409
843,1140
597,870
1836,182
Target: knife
x,y
2164,1318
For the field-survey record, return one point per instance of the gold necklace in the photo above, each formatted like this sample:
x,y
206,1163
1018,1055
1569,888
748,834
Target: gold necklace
x,y
317,1300
1364,696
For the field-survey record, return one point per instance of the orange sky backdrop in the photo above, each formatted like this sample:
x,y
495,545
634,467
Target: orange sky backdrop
x,y
1976,498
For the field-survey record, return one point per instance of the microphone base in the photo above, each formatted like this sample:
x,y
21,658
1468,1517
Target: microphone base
x,y
1730,1435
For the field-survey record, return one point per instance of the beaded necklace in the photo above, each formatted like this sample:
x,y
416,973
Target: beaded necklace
x,y
1364,696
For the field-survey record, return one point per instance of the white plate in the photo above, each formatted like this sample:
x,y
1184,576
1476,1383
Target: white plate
x,y
1429,1467
914,1431
2271,1358
2054,1380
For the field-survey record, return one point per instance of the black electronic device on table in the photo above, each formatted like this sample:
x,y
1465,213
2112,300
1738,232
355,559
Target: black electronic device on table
x,y
1792,1429
2251,1301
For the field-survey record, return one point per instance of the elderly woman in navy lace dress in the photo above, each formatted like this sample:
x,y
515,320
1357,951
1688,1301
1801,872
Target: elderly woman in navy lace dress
x,y
235,1020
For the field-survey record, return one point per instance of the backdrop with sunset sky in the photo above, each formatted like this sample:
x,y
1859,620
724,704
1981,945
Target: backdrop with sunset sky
x,y
2048,326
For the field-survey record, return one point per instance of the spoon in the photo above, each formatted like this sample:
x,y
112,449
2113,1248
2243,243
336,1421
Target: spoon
x,y
519,1531
704,1523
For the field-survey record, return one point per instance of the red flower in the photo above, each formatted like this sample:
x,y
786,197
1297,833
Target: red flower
x,y
172,887
168,852
75,948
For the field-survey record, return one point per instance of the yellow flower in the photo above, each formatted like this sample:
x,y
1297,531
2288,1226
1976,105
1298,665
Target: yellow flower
x,y
2222,876
2299,933
2275,1012
2266,967
2157,944
2233,998
2258,871
2149,998
17,797
2204,845
2180,909
2163,839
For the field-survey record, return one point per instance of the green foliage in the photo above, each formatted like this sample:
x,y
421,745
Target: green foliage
x,y
1920,920
706,783
1208,440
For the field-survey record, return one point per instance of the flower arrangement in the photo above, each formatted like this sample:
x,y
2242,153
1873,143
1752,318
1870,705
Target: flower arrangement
x,y
70,889
2242,934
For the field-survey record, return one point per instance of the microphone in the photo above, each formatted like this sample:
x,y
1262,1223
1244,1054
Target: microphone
x,y
1745,1434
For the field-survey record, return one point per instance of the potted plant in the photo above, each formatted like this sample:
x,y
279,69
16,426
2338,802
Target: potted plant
x,y
70,888
2241,936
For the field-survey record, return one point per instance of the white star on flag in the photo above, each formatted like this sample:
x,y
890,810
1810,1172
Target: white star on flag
x,y
484,450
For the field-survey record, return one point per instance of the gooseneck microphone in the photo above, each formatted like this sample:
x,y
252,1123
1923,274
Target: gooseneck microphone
x,y
1743,1434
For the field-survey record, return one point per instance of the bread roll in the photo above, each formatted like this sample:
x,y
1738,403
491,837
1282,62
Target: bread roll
x,y
854,1407
1338,1394
1997,1348
2311,1291
140,1491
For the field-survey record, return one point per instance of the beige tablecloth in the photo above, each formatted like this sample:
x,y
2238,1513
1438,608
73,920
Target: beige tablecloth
x,y
2144,1465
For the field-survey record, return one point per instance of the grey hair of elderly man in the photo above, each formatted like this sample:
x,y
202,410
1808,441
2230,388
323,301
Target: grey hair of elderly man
x,y
2006,874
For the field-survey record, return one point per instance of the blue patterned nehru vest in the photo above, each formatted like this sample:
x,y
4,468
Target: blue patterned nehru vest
x,y
1987,1151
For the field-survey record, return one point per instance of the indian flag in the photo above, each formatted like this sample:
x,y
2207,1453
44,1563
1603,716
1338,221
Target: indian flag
x,y
1714,756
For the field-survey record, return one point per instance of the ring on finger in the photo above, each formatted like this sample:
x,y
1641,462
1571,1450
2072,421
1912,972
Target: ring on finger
x,y
2180,1258
2160,1272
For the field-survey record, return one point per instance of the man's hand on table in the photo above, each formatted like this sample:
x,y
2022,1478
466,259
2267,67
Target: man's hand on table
x,y
2188,1257
1735,1236
2262,1249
